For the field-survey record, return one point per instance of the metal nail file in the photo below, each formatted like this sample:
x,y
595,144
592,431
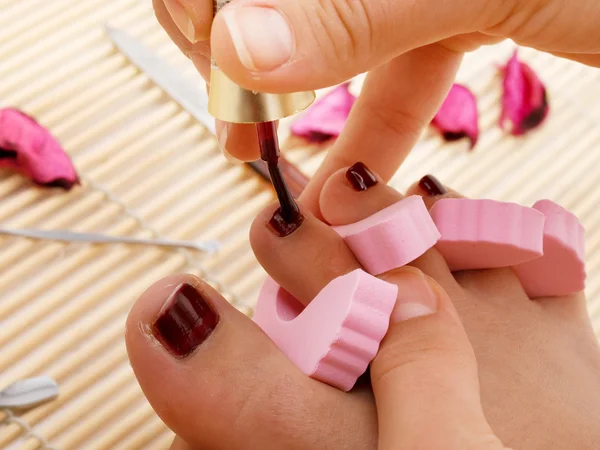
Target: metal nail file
x,y
190,97
96,238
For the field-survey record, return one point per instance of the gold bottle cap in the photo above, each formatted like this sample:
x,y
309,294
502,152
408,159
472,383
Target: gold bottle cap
x,y
231,103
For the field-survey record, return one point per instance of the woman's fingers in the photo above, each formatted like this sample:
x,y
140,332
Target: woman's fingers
x,y
238,142
285,46
306,45
425,375
187,46
397,102
193,18
219,382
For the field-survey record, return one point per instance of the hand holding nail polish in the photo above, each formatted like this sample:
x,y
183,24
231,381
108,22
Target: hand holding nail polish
x,y
282,46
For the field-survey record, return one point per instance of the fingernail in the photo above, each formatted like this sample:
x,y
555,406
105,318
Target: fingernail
x,y
280,227
185,321
360,177
202,64
432,186
222,141
261,36
229,157
182,20
416,297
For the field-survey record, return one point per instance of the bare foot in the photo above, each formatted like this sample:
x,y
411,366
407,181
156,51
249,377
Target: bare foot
x,y
538,360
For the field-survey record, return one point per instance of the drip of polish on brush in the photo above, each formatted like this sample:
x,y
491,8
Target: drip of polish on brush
x,y
269,152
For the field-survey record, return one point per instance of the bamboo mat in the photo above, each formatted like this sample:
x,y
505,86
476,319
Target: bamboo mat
x,y
149,170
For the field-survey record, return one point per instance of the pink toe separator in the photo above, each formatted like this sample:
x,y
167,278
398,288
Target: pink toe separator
x,y
337,335
486,234
561,271
392,237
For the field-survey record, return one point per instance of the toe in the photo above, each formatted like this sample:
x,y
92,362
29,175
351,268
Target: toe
x,y
218,381
432,190
302,260
356,193
480,282
352,194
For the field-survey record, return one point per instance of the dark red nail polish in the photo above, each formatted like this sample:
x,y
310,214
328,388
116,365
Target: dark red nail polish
x,y
360,177
432,186
185,321
282,227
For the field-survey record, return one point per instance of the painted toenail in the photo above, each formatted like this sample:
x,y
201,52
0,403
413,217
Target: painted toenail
x,y
185,321
432,186
278,225
360,177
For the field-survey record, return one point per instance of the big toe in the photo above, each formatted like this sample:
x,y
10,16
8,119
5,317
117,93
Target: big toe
x,y
218,381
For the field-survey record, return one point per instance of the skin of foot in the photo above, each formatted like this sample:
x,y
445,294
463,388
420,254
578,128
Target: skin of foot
x,y
538,360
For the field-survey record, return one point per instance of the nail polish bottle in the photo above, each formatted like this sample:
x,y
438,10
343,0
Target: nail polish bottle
x,y
232,103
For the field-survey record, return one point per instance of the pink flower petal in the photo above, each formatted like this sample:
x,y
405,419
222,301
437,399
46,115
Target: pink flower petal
x,y
458,118
524,100
30,149
327,116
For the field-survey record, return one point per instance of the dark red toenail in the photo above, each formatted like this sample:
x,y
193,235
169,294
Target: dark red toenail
x,y
280,227
185,321
432,186
360,177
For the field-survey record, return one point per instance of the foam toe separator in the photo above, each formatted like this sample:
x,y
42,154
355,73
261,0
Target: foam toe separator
x,y
561,271
392,237
337,335
487,234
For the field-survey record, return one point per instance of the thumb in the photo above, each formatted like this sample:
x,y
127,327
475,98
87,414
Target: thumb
x,y
425,375
283,46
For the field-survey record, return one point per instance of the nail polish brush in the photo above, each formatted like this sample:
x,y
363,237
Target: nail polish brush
x,y
232,103
193,99
295,179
